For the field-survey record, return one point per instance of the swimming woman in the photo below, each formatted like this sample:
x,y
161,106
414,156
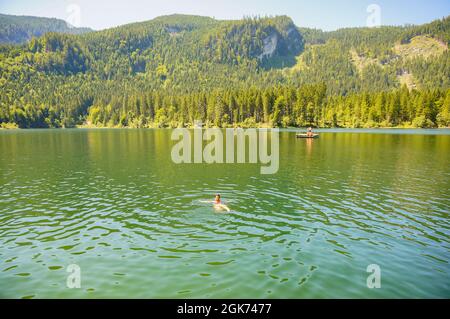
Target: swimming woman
x,y
218,203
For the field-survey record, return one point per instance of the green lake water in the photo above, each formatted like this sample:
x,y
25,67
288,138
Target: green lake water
x,y
112,202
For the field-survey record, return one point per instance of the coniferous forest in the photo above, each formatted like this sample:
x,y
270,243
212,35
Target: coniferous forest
x,y
172,70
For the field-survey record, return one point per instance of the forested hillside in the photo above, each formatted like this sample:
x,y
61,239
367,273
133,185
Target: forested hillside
x,y
172,70
20,29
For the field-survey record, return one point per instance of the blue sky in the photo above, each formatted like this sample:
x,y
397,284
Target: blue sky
x,y
325,14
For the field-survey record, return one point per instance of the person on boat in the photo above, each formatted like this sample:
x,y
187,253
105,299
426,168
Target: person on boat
x,y
309,133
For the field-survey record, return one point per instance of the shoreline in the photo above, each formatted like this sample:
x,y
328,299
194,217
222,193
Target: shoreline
x,y
292,128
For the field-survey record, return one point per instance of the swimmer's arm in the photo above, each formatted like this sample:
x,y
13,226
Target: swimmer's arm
x,y
223,207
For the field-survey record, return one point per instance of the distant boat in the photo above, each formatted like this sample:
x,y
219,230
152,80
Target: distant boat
x,y
305,135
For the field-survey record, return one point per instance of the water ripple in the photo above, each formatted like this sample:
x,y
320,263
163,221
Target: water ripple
x,y
137,226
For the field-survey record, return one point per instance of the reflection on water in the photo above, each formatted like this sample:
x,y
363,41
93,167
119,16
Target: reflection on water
x,y
112,202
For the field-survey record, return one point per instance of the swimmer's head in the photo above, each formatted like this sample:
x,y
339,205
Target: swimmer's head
x,y
217,197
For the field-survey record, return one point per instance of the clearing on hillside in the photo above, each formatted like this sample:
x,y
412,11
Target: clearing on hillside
x,y
424,46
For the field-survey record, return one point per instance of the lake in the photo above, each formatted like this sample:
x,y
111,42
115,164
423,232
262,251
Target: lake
x,y
112,202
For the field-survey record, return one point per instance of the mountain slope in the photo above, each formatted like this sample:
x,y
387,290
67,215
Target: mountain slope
x,y
175,39
173,69
20,29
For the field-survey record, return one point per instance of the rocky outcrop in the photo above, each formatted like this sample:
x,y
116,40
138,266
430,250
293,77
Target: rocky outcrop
x,y
281,43
270,46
